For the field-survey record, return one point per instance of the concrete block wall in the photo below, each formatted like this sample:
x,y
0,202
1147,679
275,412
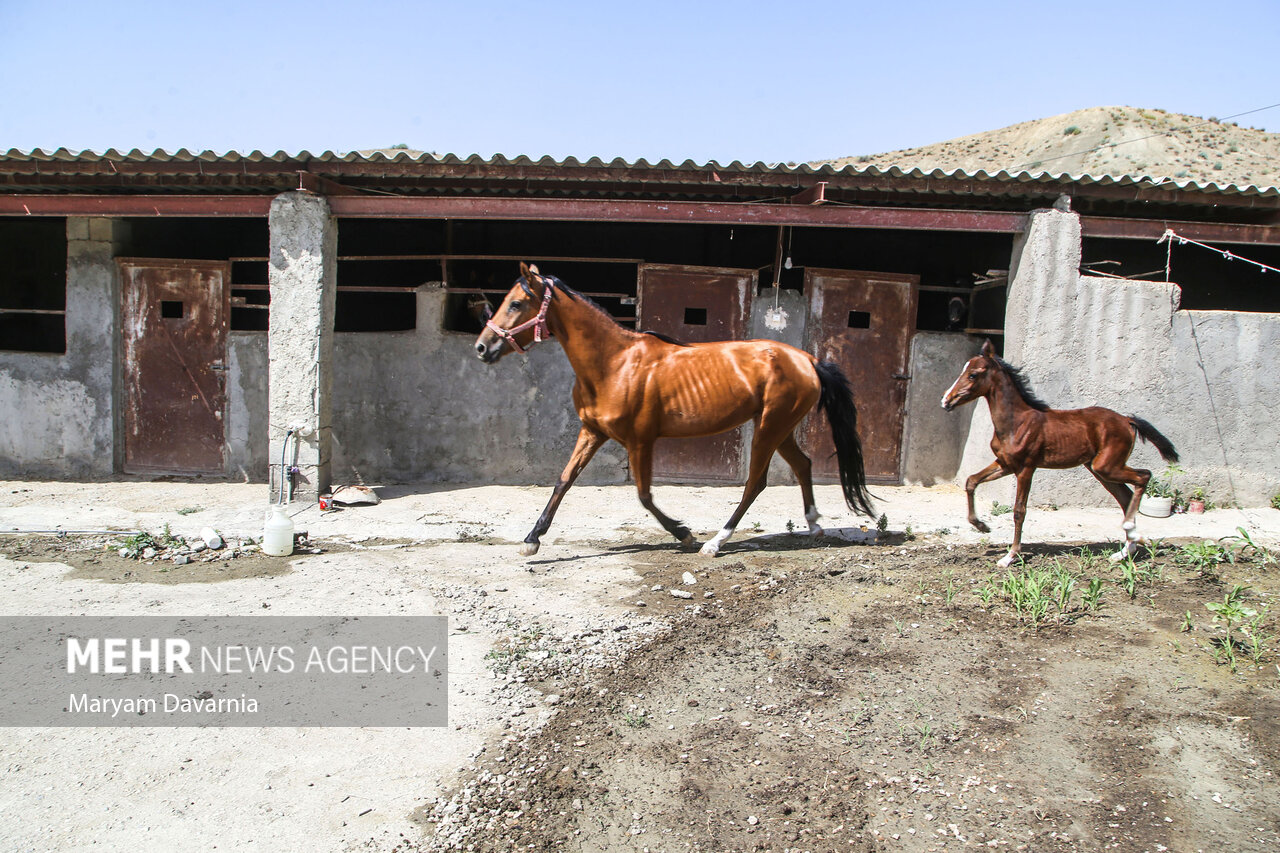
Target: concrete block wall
x,y
60,418
1201,377
933,440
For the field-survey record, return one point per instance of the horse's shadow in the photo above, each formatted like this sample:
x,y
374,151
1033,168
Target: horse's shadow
x,y
835,537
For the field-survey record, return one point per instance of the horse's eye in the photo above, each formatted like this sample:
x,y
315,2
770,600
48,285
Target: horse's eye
x,y
973,375
517,306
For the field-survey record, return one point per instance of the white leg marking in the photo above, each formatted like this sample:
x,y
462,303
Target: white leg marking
x,y
712,546
1125,550
1006,561
812,515
528,549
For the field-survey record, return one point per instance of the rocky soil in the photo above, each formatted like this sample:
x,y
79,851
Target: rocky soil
x,y
1105,141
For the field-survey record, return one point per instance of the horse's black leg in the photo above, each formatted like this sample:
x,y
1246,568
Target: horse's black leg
x,y
767,439
802,467
640,458
589,441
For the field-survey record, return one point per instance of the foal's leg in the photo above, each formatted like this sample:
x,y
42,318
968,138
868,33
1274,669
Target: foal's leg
x,y
803,469
994,471
589,441
1019,513
763,444
1112,472
640,458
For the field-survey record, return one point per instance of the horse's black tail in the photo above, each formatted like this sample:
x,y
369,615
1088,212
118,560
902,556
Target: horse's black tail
x,y
837,401
1158,441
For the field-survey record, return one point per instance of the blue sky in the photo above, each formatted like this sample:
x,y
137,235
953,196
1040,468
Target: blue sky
x,y
705,81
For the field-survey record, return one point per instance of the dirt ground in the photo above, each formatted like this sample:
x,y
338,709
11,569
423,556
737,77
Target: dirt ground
x,y
798,694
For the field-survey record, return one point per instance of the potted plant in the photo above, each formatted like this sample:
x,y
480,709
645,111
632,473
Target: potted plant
x,y
1161,496
1196,500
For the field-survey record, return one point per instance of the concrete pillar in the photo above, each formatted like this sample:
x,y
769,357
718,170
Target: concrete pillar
x,y
303,280
93,338
1044,277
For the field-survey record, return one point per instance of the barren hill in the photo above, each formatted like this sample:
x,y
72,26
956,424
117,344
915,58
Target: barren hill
x,y
1105,141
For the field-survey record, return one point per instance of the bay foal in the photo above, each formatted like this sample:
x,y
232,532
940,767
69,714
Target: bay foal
x,y
1030,435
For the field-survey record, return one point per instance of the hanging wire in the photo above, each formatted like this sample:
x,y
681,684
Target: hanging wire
x,y
1170,235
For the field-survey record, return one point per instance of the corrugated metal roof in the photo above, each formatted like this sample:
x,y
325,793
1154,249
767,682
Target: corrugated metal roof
x,y
938,180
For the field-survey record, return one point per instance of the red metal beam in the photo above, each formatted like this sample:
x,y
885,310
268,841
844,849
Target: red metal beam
x,y
816,194
135,205
1152,229
707,213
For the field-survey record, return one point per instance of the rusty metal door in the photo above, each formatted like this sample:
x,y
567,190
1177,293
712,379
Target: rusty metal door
x,y
864,322
174,320
696,304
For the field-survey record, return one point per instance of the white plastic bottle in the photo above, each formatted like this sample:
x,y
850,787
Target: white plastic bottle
x,y
277,534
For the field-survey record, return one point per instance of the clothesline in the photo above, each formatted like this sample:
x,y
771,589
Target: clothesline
x,y
1170,235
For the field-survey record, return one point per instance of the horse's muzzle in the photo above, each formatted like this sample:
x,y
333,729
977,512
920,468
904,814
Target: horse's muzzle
x,y
488,354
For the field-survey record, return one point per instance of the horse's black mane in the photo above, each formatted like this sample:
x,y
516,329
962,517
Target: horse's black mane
x,y
666,338
1020,384
582,297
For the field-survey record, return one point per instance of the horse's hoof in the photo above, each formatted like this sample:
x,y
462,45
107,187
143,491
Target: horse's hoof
x,y
815,530
687,541
1120,556
710,549
981,526
1006,561
528,549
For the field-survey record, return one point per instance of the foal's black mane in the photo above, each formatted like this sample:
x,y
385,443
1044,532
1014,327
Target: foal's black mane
x,y
1020,384
582,297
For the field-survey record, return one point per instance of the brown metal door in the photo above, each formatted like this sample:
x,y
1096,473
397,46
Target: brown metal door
x,y
864,322
175,343
696,304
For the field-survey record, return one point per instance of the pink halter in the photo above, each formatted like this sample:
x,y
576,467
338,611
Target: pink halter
x,y
539,323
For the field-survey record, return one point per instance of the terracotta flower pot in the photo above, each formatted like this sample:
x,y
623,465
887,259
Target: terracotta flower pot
x,y
1195,506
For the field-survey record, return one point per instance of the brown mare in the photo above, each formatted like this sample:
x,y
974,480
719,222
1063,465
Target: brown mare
x,y
1030,435
637,387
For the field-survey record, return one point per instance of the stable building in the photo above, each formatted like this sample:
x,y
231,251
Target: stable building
x,y
243,315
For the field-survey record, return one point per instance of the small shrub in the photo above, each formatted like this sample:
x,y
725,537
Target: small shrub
x,y
1072,130
1275,501
998,508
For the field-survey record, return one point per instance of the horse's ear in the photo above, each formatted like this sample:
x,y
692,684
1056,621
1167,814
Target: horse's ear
x,y
524,270
987,349
532,268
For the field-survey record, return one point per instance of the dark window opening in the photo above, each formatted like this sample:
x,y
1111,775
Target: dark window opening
x,y
375,312
859,320
250,296
472,281
33,332
695,316
171,309
33,285
1208,280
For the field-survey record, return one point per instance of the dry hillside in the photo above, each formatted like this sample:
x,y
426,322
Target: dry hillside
x,y
1106,141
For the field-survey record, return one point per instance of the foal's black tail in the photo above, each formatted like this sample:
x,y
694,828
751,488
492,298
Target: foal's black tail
x,y
1151,434
837,400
